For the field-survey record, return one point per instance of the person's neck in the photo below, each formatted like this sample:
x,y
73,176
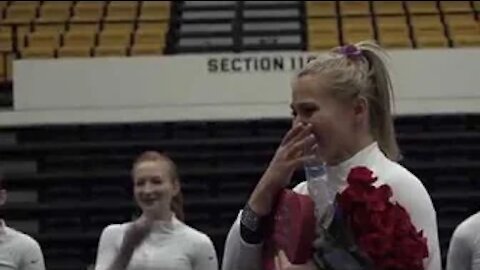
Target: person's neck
x,y
349,152
164,216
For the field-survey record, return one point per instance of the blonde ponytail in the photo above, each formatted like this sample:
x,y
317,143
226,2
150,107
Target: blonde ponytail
x,y
381,99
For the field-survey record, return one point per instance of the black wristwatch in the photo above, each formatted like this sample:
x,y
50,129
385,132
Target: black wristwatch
x,y
250,219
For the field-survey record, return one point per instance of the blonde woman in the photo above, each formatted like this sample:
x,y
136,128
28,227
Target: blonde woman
x,y
341,106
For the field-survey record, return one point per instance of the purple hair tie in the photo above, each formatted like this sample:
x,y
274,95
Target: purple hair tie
x,y
350,51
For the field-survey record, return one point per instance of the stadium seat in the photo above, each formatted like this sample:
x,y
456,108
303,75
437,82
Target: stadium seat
x,y
422,7
321,42
392,23
156,4
395,40
43,39
113,44
74,51
4,29
54,12
6,66
148,37
466,41
462,24
3,69
463,29
21,12
122,11
431,41
426,22
88,11
155,11
321,9
357,29
114,38
114,50
322,25
428,31
60,3
84,27
9,58
7,33
393,31
455,6
38,52
357,24
3,4
55,27
5,42
77,44
154,27
118,27
79,38
351,38
147,49
388,7
354,8
322,33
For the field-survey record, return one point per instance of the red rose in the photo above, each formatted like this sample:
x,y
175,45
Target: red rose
x,y
412,248
403,224
383,221
408,254
360,221
374,244
355,195
415,248
392,263
423,245
378,198
360,175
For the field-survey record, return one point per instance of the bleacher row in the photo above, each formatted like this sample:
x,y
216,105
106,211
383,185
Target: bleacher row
x,y
395,24
67,182
114,26
47,29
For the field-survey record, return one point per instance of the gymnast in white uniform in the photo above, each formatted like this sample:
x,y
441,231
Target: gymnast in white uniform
x,y
158,240
341,108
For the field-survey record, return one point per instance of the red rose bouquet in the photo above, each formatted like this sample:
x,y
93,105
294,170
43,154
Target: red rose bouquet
x,y
369,231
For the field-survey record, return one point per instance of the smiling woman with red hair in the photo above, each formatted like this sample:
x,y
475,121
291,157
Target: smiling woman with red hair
x,y
158,239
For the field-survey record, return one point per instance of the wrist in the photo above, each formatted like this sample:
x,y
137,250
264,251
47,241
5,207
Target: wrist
x,y
262,198
261,202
